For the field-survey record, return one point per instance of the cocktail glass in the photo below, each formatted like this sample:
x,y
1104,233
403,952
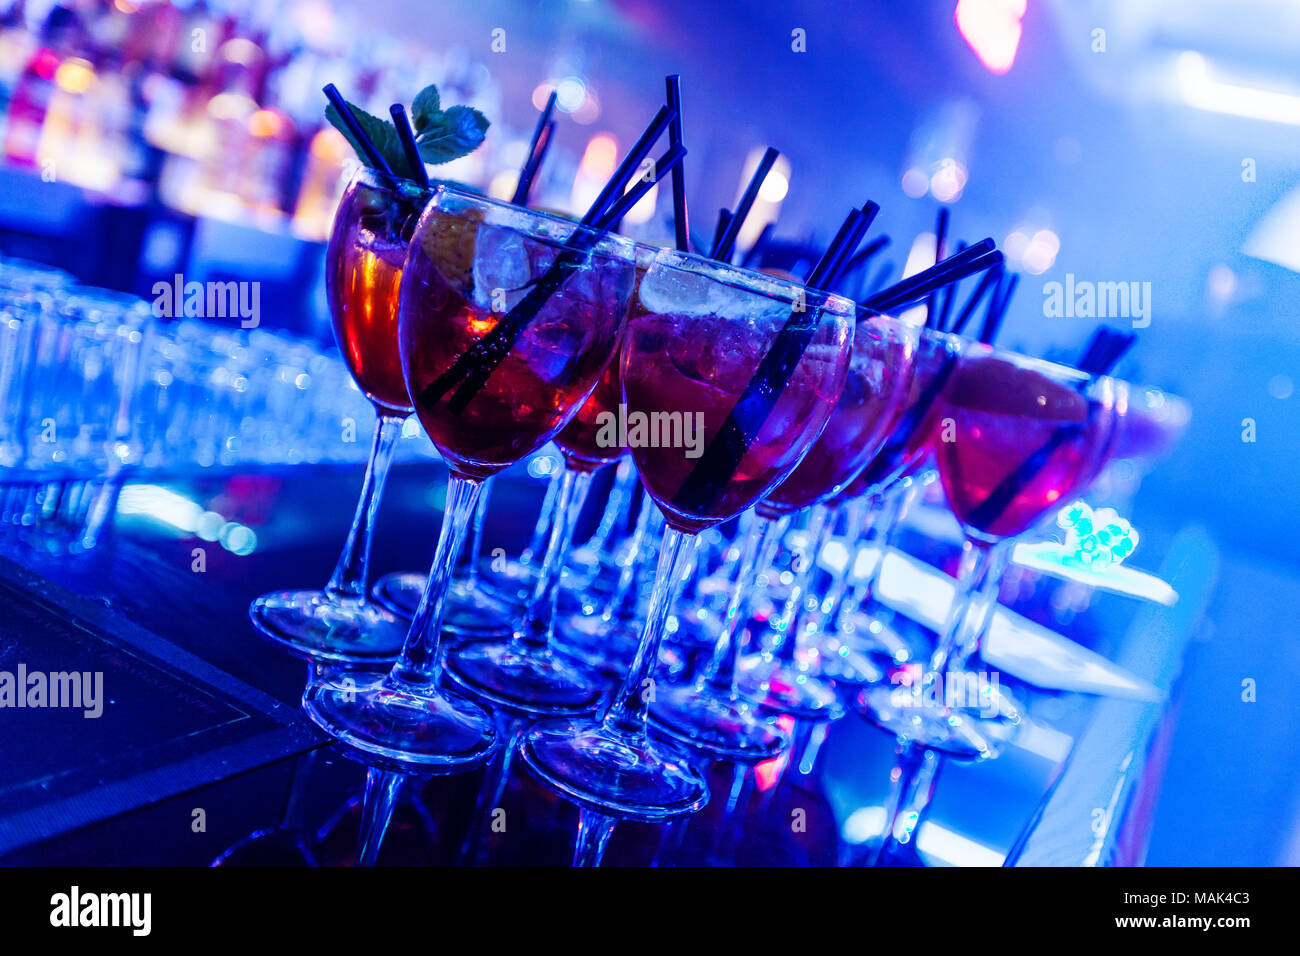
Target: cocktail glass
x,y
737,372
1017,437
524,675
363,269
507,320
711,713
845,642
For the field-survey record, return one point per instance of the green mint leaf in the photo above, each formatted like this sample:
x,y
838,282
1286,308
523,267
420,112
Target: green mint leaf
x,y
452,134
425,108
381,132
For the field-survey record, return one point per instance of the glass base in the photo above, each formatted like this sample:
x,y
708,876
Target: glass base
x,y
402,727
606,647
472,613
723,728
533,682
315,626
786,689
968,733
513,582
271,847
623,775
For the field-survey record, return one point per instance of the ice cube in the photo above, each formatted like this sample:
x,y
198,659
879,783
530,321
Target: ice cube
x,y
666,291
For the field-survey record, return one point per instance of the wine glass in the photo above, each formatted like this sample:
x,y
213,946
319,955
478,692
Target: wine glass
x,y
709,713
507,319
1017,437
730,376
787,682
524,675
363,269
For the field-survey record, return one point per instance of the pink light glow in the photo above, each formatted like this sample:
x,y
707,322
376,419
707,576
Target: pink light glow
x,y
992,29
768,773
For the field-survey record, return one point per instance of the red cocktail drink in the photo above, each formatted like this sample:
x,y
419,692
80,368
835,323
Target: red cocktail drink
x,y
1021,443
541,370
591,437
878,376
364,259
730,377
913,429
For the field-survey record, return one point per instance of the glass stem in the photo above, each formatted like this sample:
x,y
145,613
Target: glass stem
x,y
973,604
493,787
756,556
627,714
376,812
468,570
916,773
818,531
857,523
544,518
352,574
539,620
594,831
623,602
616,506
419,661
884,528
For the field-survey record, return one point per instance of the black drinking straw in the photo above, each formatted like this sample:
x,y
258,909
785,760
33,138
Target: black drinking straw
x,y
993,314
936,277
664,165
946,269
470,371
867,215
940,244
409,147
987,281
623,175
998,303
1105,350
920,293
525,185
945,308
1004,302
373,156
941,234
726,245
1094,348
536,150
835,264
724,217
681,224
817,275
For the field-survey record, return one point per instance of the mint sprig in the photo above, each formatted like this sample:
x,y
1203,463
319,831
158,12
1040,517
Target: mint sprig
x,y
441,135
